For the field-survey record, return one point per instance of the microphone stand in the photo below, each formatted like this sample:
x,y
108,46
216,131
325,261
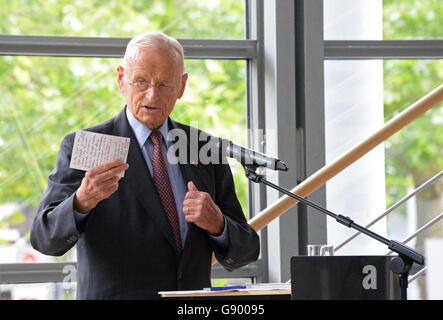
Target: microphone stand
x,y
400,265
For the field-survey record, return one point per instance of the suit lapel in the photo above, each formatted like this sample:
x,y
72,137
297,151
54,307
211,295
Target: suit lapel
x,y
196,173
142,185
140,180
190,171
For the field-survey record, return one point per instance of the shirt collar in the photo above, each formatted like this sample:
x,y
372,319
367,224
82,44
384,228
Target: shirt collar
x,y
142,132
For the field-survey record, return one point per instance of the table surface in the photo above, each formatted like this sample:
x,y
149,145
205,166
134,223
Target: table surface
x,y
224,293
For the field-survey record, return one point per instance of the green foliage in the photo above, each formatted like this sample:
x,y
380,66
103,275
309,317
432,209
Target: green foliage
x,y
44,98
415,153
182,19
412,19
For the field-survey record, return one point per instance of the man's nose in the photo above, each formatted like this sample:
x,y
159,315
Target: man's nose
x,y
151,92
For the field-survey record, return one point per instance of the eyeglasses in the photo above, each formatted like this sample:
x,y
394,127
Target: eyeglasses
x,y
142,85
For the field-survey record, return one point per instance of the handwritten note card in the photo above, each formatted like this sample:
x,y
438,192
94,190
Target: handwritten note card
x,y
92,149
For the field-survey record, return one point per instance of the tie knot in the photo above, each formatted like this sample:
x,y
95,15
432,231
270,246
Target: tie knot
x,y
156,137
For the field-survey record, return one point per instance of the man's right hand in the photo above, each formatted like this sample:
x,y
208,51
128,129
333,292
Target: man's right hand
x,y
98,184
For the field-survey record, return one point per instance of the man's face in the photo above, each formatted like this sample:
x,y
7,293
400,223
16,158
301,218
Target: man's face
x,y
158,68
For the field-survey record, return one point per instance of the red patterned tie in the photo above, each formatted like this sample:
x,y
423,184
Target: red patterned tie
x,y
163,186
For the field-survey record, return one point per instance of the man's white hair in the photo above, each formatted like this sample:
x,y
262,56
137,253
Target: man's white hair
x,y
154,40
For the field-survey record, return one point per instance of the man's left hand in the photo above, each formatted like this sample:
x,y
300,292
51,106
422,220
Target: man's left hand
x,y
198,207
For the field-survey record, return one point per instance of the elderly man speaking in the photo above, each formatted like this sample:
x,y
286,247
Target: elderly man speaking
x,y
156,228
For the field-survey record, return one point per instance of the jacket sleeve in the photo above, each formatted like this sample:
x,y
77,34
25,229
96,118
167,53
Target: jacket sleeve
x,y
244,243
54,230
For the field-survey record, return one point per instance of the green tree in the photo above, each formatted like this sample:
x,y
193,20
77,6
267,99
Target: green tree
x,y
44,98
414,154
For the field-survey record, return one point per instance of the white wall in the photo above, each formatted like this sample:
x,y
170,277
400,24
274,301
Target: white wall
x,y
353,112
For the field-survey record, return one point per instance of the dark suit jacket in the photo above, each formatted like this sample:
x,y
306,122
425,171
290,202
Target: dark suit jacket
x,y
125,248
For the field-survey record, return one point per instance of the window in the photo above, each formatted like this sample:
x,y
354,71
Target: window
x,y
366,87
218,19
46,97
396,20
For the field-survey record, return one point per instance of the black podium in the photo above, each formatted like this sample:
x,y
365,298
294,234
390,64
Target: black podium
x,y
343,278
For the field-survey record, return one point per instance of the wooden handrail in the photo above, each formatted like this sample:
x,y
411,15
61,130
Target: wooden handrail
x,y
327,172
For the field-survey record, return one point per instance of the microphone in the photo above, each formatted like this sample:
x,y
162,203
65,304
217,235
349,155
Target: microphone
x,y
249,157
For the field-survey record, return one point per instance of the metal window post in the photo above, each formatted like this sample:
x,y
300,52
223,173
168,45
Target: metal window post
x,y
310,115
280,130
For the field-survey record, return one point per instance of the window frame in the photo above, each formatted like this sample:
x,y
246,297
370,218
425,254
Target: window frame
x,y
310,31
264,60
59,46
115,47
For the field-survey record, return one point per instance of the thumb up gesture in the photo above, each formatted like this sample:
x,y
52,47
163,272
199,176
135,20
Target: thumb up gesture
x,y
199,208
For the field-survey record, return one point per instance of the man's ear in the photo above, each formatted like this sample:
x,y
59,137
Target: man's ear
x,y
183,85
121,78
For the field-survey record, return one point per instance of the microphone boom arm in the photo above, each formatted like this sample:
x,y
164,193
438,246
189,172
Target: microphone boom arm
x,y
399,265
